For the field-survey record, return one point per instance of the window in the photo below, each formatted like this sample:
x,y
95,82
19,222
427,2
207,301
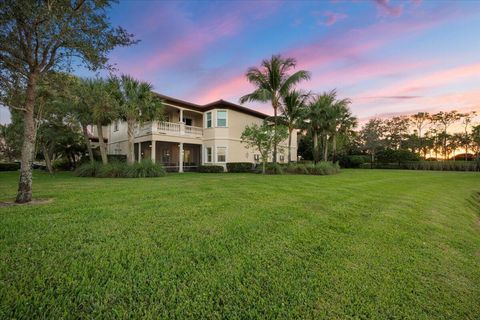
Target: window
x,y
221,118
209,120
282,158
187,121
115,126
256,157
209,155
221,154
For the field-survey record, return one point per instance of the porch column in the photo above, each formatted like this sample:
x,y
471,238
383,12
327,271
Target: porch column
x,y
181,116
180,157
154,151
139,152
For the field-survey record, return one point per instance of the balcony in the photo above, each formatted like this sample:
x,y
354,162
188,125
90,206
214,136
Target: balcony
x,y
169,128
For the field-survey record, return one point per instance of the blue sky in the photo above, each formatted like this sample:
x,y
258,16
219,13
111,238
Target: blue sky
x,y
389,57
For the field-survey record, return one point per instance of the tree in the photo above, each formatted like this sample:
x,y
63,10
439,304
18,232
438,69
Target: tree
x,y
83,112
343,122
396,129
372,136
445,120
319,121
475,138
101,96
293,109
420,121
263,138
39,36
138,104
273,81
465,140
11,137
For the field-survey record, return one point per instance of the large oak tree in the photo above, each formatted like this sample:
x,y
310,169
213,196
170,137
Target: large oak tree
x,y
37,36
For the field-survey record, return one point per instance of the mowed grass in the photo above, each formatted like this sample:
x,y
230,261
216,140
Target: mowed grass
x,y
362,244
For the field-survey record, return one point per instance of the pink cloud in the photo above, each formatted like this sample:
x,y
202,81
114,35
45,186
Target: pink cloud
x,y
385,8
332,18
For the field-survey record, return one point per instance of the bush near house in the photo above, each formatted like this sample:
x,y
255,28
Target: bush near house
x,y
117,169
9,166
240,166
210,169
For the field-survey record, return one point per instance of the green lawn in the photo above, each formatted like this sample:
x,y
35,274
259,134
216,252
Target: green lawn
x,y
361,244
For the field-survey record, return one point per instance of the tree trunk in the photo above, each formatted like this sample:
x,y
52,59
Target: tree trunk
x,y
131,136
24,193
101,142
372,158
275,134
48,160
264,161
334,148
325,148
290,145
315,147
87,142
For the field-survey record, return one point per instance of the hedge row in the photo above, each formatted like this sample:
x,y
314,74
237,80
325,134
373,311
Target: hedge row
x,y
210,169
321,168
116,169
240,167
14,166
427,165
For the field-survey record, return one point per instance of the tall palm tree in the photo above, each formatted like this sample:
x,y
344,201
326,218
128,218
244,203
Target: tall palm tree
x,y
318,119
100,94
138,104
293,109
272,81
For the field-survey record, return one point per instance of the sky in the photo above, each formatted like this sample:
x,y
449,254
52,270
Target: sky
x,y
388,57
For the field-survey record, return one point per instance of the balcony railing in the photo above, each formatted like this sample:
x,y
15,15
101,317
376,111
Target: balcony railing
x,y
169,128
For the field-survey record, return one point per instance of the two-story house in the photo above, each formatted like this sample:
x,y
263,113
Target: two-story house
x,y
194,134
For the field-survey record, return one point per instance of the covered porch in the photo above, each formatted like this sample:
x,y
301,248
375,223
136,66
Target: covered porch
x,y
174,156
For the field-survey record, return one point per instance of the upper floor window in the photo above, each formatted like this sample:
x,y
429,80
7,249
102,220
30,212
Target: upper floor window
x,y
115,126
221,118
209,120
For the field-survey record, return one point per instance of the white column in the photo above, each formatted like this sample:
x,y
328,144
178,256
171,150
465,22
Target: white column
x,y
153,151
180,157
182,124
139,152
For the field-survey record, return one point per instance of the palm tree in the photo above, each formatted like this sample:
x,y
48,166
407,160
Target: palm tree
x,y
138,104
318,120
100,95
343,122
273,81
293,110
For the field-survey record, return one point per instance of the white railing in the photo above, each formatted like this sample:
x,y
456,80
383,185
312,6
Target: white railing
x,y
191,130
169,127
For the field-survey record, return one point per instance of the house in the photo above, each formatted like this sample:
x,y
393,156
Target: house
x,y
194,134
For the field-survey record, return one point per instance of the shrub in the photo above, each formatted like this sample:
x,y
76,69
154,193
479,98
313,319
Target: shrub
x,y
323,168
143,169
239,167
62,164
88,169
398,156
114,169
296,168
271,168
14,166
353,161
210,169
118,169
